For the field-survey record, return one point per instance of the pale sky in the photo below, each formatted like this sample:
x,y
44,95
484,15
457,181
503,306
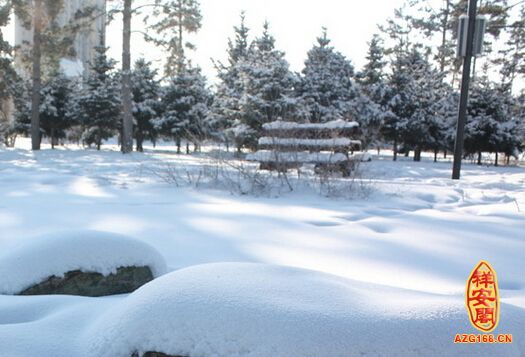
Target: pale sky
x,y
294,23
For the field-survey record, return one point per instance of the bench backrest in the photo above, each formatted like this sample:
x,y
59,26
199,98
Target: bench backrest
x,y
334,136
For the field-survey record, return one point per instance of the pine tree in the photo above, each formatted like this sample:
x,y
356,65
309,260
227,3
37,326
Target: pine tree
x,y
55,115
373,70
326,86
399,100
225,110
99,105
373,88
268,90
185,104
174,20
8,80
512,55
146,106
490,125
50,42
424,129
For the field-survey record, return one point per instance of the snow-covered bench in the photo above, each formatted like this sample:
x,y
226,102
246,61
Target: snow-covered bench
x,y
328,146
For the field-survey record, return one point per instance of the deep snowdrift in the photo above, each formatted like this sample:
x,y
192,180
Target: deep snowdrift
x,y
417,232
244,309
38,258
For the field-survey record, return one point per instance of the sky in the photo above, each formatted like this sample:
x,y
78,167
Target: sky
x,y
294,23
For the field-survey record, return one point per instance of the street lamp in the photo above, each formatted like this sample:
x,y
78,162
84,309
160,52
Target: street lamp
x,y
470,43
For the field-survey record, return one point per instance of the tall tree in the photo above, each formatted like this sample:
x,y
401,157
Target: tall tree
x,y
268,90
374,89
8,75
490,126
226,107
100,103
146,106
326,86
172,21
55,115
35,98
51,41
511,56
127,114
185,105
373,70
399,99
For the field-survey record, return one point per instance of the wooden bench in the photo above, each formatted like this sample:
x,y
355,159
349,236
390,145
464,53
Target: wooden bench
x,y
289,145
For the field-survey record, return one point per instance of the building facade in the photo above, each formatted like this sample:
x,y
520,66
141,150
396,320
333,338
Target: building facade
x,y
86,38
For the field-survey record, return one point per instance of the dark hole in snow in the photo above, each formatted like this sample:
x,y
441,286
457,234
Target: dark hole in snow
x,y
76,282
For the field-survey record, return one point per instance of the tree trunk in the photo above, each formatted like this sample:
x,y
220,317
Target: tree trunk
x,y
180,57
127,117
445,154
53,138
177,141
444,29
37,81
496,159
417,154
395,149
479,157
436,152
99,138
187,147
140,141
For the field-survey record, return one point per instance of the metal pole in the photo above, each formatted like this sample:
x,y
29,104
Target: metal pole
x,y
462,114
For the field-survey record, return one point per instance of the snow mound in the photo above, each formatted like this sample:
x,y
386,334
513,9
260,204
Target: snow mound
x,y
90,251
247,309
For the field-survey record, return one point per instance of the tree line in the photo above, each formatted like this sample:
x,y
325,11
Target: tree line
x,y
405,96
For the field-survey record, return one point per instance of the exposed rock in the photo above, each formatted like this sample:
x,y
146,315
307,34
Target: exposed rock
x,y
125,280
154,354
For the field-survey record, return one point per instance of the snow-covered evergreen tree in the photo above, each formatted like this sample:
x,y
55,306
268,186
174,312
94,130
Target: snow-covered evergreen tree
x,y
400,101
326,87
416,91
225,110
55,106
424,129
371,102
490,126
268,90
145,90
185,105
99,106
374,69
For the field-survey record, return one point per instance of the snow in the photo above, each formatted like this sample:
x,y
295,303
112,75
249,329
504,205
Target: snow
x,y
345,142
37,258
297,156
246,309
334,124
384,274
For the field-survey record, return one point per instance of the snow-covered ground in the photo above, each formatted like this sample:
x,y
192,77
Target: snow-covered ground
x,y
389,267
